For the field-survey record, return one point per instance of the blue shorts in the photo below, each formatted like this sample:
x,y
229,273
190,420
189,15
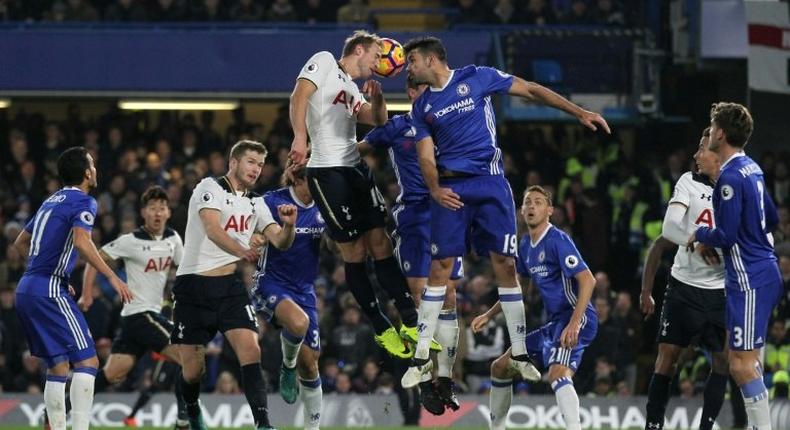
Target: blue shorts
x,y
55,328
543,344
267,295
748,313
412,238
487,220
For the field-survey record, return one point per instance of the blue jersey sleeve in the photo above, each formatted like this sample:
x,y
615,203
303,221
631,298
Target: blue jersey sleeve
x,y
727,210
84,214
568,257
494,80
421,128
771,214
381,137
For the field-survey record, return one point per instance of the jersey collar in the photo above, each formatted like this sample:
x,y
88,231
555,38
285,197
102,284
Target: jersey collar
x,y
224,182
299,202
536,243
732,157
449,79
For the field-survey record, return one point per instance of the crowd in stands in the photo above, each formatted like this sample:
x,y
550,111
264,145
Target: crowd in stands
x,y
529,12
607,195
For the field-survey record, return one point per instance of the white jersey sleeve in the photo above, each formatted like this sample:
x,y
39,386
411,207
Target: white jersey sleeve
x,y
682,192
178,249
317,68
208,195
264,216
119,248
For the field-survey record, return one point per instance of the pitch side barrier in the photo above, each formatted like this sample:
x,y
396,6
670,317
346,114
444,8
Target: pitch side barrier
x,y
528,412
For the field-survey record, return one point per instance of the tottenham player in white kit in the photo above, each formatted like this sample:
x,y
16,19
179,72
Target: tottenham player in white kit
x,y
693,310
223,214
148,254
326,104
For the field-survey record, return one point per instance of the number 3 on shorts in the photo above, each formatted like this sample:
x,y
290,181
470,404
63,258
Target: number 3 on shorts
x,y
737,333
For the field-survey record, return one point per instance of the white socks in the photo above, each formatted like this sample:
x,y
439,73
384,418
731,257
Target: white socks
x,y
290,345
568,402
500,397
312,398
428,313
447,336
513,307
755,399
55,401
82,381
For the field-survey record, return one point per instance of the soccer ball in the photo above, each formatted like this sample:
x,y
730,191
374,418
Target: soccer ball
x,y
392,58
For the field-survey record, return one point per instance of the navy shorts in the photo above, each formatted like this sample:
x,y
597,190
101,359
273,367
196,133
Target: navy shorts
x,y
412,238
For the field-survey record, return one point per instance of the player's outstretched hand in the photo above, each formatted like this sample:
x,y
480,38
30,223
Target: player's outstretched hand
x,y
570,335
447,198
287,214
122,289
298,152
85,302
479,323
372,89
593,120
647,304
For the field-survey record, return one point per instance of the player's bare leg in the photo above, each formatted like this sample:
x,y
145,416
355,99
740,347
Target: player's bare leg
x,y
745,368
245,345
658,390
511,298
354,254
310,393
295,323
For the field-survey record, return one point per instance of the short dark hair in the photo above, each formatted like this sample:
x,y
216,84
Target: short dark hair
x,y
154,192
427,45
706,132
359,37
287,180
72,165
735,120
242,146
541,190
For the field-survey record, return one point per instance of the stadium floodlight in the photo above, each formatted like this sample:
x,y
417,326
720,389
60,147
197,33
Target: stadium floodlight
x,y
162,104
399,107
4,103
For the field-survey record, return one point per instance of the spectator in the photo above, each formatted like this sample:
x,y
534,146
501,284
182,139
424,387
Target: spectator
x,y
349,341
539,13
356,11
246,11
282,11
505,13
343,383
125,11
227,384
367,382
482,348
578,14
777,349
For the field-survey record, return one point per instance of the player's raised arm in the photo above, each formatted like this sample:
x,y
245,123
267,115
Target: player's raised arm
x,y
210,219
653,259
538,93
375,112
87,249
282,237
297,111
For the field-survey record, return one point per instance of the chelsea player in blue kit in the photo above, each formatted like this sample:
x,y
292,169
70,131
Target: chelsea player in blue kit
x,y
550,259
744,215
284,292
412,236
461,164
55,329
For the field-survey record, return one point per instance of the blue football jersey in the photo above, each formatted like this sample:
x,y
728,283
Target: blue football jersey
x,y
298,265
744,214
460,118
397,136
552,263
52,253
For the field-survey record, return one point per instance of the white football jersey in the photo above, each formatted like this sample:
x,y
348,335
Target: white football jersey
x,y
147,261
695,192
331,113
241,214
